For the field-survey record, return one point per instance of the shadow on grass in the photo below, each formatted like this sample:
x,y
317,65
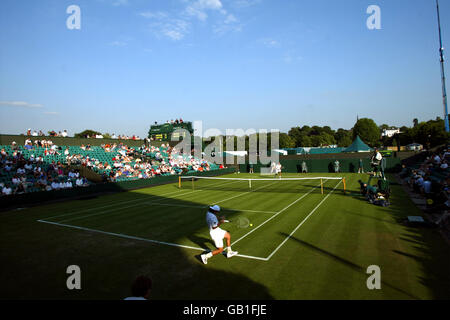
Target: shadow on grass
x,y
428,246
345,262
431,250
115,246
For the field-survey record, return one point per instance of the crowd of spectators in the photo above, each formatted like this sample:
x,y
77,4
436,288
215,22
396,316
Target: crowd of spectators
x,y
431,180
53,133
64,133
119,137
20,175
176,121
141,163
176,160
125,137
41,165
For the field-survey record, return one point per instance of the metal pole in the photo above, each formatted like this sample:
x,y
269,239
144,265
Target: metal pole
x,y
441,53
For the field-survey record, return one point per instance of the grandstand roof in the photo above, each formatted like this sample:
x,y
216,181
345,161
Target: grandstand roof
x,y
358,146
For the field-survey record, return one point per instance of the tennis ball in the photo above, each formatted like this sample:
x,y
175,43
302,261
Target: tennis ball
x,y
251,224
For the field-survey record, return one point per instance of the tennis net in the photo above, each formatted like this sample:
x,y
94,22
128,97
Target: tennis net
x,y
281,185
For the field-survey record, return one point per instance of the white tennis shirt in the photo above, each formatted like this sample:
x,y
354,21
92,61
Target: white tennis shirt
x,y
211,220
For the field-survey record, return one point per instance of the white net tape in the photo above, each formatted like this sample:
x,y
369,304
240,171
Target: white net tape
x,y
262,179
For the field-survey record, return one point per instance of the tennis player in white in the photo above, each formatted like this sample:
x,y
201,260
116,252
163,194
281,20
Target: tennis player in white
x,y
214,221
278,168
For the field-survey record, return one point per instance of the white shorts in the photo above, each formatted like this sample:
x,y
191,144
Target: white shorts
x,y
217,235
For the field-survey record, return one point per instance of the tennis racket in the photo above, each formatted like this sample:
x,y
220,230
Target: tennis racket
x,y
239,222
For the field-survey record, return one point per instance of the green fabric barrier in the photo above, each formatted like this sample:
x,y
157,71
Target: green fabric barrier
x,y
326,165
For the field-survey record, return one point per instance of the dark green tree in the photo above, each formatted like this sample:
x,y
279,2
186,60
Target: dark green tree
x,y
286,141
86,133
368,131
343,137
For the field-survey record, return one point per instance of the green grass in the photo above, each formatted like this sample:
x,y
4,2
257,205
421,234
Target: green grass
x,y
337,237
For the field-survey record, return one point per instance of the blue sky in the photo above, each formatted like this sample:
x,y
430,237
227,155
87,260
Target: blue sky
x,y
270,64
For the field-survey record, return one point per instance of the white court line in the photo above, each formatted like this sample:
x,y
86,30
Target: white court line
x,y
142,239
282,210
301,223
195,248
120,207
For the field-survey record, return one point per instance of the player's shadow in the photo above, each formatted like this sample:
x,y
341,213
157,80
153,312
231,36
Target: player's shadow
x,y
330,167
202,242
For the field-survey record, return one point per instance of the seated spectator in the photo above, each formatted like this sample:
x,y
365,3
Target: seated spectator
x,y
79,182
7,190
20,189
15,180
426,186
437,159
55,185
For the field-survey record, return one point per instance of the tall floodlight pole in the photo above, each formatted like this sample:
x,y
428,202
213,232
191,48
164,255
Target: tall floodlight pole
x,y
444,91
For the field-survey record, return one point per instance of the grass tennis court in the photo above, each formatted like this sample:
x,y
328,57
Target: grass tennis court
x,y
303,244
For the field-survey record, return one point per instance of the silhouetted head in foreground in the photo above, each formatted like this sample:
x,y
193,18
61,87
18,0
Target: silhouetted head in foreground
x,y
141,288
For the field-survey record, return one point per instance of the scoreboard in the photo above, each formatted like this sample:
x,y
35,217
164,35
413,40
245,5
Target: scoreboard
x,y
167,131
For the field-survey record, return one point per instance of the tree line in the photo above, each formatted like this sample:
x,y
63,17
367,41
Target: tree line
x,y
428,133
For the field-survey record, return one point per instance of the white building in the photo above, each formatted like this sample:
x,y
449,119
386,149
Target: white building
x,y
389,132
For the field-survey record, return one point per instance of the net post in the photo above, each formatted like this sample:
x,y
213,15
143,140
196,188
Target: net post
x,y
321,185
179,182
345,188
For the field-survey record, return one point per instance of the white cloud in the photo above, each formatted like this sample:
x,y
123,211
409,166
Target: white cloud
x,y
199,14
175,29
20,104
52,113
177,26
230,19
209,4
229,24
198,8
270,43
164,25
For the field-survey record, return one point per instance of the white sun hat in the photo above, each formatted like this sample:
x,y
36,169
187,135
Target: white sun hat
x,y
215,208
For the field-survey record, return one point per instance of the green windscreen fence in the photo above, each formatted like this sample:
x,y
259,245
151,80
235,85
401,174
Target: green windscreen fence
x,y
324,165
